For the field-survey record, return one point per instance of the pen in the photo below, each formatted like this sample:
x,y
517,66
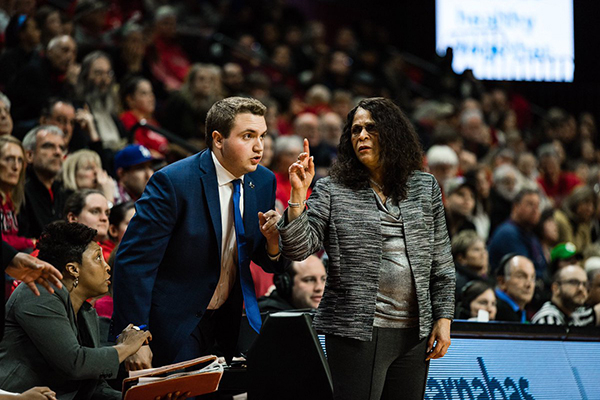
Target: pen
x,y
137,328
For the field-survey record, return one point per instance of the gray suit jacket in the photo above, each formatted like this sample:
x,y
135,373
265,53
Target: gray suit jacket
x,y
41,347
347,223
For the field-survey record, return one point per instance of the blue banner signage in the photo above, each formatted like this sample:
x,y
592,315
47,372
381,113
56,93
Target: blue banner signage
x,y
492,369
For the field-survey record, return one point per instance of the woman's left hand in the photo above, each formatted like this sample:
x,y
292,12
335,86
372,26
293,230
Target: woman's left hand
x,y
439,340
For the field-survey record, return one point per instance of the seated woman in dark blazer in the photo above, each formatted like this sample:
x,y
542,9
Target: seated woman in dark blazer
x,y
52,340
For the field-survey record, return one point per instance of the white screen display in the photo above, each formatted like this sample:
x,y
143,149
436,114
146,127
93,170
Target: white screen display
x,y
520,40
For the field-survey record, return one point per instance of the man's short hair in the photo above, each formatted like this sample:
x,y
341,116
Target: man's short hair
x,y
288,143
547,150
468,114
441,155
505,263
5,100
558,275
522,193
55,41
503,267
30,139
48,108
222,114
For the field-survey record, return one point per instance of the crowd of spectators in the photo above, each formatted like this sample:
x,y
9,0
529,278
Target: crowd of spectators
x,y
97,95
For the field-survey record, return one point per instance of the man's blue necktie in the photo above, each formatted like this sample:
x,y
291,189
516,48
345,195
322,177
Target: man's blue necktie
x,y
252,311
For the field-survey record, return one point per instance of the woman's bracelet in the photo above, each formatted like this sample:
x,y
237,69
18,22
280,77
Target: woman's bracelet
x,y
296,205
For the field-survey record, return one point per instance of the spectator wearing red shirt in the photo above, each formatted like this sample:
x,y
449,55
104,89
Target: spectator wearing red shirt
x,y
169,63
557,184
138,99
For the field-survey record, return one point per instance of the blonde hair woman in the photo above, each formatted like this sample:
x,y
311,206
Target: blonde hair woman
x,y
83,170
12,190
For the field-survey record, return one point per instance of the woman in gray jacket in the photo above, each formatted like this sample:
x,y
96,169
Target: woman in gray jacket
x,y
389,298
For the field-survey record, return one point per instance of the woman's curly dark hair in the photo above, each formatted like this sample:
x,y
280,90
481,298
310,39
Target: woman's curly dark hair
x,y
64,242
401,153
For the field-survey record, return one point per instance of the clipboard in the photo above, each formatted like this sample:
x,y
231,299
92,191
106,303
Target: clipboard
x,y
198,376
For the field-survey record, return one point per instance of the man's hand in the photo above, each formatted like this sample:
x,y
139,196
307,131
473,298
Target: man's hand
x,y
439,340
140,360
29,270
268,227
37,393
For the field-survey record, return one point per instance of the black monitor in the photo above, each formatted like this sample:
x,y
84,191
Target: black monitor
x,y
286,360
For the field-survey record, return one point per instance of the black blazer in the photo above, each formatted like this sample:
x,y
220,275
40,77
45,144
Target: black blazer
x,y
43,347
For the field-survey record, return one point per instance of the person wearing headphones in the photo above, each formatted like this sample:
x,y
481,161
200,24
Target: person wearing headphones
x,y
300,286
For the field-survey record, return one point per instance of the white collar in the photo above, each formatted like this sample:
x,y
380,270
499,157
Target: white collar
x,y
224,177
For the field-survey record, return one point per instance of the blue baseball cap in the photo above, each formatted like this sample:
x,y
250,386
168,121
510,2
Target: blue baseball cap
x,y
131,155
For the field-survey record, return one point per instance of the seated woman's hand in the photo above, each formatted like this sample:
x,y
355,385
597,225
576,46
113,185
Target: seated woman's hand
x,y
37,393
132,335
130,341
142,359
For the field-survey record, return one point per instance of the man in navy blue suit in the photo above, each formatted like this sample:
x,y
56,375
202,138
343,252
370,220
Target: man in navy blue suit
x,y
182,266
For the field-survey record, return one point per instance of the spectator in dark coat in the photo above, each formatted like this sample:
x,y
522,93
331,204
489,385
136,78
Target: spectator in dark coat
x,y
516,234
53,75
44,194
470,258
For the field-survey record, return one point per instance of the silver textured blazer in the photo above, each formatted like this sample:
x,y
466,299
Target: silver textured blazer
x,y
347,223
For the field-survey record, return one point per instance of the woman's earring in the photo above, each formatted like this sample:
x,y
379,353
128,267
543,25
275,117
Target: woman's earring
x,y
76,282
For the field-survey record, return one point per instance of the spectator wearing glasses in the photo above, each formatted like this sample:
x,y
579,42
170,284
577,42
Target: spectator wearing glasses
x,y
569,293
96,89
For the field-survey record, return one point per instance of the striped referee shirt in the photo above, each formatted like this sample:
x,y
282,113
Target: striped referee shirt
x,y
550,314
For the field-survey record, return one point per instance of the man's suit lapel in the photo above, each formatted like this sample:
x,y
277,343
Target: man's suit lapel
x,y
211,191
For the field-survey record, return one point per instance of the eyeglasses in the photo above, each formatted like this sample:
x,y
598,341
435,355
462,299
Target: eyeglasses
x,y
100,73
575,282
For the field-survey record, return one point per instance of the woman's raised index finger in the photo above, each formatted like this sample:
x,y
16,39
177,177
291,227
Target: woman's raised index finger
x,y
306,148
